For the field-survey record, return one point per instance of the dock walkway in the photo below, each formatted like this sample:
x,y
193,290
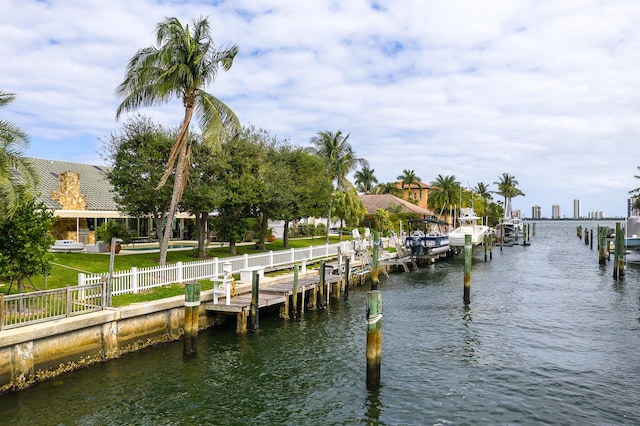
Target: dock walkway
x,y
277,293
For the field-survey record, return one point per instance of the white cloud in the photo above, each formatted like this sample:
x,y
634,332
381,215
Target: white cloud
x,y
546,91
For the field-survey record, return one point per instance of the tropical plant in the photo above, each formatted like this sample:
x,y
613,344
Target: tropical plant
x,y
365,180
16,173
184,62
508,188
482,189
340,160
445,194
389,188
408,178
112,229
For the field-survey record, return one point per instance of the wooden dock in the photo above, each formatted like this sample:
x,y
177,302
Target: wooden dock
x,y
279,294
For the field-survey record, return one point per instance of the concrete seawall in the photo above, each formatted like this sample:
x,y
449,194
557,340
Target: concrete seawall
x,y
41,351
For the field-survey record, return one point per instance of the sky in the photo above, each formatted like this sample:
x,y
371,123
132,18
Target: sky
x,y
545,90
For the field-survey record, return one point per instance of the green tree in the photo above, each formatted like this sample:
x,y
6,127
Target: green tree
x,y
508,188
16,172
340,159
240,188
382,221
408,178
137,154
445,194
365,180
482,190
201,194
184,62
25,239
389,188
348,208
300,187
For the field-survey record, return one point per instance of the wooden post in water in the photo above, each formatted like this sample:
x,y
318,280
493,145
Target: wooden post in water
x,y
485,238
602,258
191,317
579,231
346,278
254,312
534,229
501,235
586,236
294,296
468,253
616,252
618,257
374,338
321,283
591,239
374,261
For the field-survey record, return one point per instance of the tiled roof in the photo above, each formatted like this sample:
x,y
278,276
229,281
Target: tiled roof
x,y
382,201
93,183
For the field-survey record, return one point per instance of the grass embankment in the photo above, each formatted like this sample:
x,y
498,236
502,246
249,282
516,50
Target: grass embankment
x,y
67,266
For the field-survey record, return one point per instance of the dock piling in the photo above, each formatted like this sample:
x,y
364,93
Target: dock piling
x,y
294,295
255,292
374,338
191,317
468,254
346,277
374,261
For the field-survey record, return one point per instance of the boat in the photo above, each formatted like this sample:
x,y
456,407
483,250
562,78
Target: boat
x,y
469,224
427,237
632,233
511,227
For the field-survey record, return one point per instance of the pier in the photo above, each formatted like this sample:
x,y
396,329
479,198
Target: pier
x,y
278,293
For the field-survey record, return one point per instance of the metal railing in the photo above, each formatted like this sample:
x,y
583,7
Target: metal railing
x,y
17,310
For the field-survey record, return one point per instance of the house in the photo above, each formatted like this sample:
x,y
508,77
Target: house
x,y
417,192
81,198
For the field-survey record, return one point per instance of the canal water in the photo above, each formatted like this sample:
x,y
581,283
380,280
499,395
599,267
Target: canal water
x,y
548,338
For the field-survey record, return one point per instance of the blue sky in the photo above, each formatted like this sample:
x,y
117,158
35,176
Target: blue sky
x,y
547,91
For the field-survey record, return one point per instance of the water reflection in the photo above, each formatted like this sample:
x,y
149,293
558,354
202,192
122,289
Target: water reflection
x,y
374,407
470,335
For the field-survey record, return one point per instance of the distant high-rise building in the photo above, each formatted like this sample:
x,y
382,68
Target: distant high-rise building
x,y
576,209
555,211
516,213
536,212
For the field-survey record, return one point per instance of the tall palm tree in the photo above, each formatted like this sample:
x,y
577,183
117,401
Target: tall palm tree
x,y
184,62
482,189
340,160
508,188
408,178
16,173
445,194
365,180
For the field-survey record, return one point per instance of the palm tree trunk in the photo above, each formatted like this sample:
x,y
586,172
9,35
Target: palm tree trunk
x,y
177,184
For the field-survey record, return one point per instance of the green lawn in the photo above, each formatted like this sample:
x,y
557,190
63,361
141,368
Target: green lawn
x,y
66,266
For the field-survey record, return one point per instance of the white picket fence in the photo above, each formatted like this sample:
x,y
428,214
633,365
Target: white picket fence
x,y
139,279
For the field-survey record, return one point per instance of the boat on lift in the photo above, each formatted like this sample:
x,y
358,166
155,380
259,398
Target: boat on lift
x,y
469,224
427,237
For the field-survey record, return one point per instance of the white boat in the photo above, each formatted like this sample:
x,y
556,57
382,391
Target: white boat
x,y
427,237
632,233
469,224
512,228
